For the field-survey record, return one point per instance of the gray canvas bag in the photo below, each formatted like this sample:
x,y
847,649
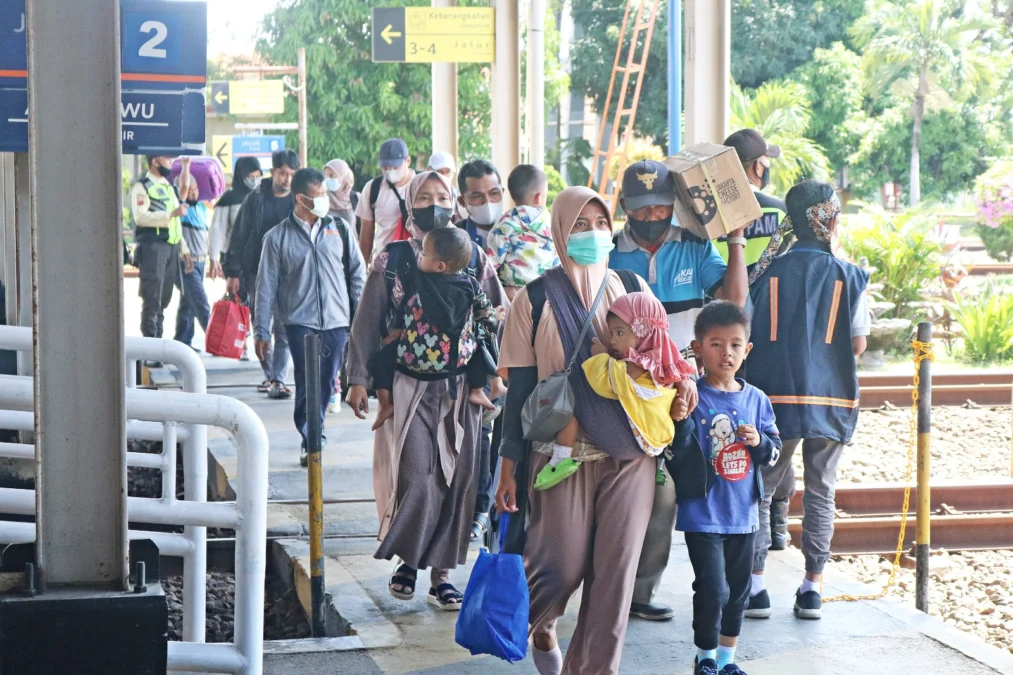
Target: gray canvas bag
x,y
550,406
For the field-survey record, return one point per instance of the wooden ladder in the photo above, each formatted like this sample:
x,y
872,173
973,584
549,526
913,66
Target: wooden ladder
x,y
641,35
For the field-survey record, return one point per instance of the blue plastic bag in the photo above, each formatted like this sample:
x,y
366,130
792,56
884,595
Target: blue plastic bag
x,y
494,614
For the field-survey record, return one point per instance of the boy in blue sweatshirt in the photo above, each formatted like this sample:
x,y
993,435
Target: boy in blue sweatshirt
x,y
715,460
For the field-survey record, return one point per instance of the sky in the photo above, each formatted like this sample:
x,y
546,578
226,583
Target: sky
x,y
233,25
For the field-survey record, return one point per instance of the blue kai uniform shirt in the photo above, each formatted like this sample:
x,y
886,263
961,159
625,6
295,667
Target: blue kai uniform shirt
x,y
680,273
730,506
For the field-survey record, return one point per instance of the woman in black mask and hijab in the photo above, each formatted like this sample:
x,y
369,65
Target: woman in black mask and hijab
x,y
425,458
245,179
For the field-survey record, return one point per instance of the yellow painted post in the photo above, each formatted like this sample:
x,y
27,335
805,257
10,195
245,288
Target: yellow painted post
x,y
315,479
922,536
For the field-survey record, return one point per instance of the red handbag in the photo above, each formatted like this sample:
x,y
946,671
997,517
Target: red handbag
x,y
228,328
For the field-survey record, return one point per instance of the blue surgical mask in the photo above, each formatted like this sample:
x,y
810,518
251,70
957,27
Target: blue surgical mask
x,y
332,184
589,248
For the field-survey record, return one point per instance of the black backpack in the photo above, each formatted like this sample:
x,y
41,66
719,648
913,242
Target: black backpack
x,y
374,194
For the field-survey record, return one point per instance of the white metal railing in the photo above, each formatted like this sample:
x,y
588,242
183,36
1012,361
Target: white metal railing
x,y
194,438
247,516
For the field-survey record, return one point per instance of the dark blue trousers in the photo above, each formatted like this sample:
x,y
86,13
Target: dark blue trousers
x,y
332,352
193,303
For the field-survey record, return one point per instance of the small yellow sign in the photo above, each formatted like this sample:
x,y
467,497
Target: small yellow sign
x,y
256,97
221,149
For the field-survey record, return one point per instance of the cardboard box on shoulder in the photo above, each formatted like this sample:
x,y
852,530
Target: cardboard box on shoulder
x,y
713,195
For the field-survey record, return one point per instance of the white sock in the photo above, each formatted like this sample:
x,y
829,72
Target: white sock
x,y
726,655
756,584
810,586
702,654
547,663
559,453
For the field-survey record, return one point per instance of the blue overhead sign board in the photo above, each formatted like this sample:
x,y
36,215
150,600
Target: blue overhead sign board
x,y
163,55
163,44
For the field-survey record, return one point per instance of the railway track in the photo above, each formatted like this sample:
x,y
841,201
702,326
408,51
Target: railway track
x,y
992,387
966,517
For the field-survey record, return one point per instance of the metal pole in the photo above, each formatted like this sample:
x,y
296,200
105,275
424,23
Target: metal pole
x,y
536,82
708,70
565,100
316,491
74,120
674,76
922,536
303,113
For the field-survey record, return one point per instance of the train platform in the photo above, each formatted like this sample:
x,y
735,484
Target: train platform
x,y
389,636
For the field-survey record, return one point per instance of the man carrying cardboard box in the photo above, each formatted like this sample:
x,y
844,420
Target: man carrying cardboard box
x,y
682,270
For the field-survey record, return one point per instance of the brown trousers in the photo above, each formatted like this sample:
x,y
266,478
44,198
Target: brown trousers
x,y
589,529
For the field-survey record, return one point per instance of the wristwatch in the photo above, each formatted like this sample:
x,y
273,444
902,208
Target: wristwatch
x,y
741,241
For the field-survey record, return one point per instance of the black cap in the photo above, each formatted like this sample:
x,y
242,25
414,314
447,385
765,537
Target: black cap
x,y
750,146
647,183
393,152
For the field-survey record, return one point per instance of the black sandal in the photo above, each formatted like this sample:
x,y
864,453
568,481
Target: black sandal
x,y
401,578
445,597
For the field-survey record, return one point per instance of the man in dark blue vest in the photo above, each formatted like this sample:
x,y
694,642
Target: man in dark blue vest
x,y
810,321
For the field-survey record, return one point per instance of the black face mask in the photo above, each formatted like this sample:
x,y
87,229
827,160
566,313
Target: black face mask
x,y
650,230
765,181
431,217
165,171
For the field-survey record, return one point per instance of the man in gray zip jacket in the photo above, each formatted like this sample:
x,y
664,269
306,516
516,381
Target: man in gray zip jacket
x,y
312,267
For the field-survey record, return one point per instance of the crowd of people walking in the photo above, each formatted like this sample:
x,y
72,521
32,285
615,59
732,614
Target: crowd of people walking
x,y
693,371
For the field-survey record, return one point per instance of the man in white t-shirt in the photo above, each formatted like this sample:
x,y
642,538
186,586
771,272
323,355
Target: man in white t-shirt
x,y
382,209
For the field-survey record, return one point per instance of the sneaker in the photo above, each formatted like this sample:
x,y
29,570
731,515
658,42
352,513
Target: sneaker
x,y
732,669
808,605
779,537
335,404
705,667
655,611
759,606
278,391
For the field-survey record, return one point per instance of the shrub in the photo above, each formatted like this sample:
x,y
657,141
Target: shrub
x,y
994,192
556,184
986,322
904,249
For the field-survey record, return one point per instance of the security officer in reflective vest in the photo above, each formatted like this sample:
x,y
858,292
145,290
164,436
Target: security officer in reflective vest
x,y
157,209
755,154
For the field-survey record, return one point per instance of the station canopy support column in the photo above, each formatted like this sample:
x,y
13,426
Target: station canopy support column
x,y
74,144
708,70
445,101
506,88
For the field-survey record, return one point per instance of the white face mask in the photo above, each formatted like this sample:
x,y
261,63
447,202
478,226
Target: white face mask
x,y
394,175
251,182
331,184
321,206
486,214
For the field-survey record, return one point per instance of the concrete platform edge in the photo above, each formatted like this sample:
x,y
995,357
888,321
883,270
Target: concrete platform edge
x,y
348,603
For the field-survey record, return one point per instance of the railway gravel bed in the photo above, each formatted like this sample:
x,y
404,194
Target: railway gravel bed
x,y
971,591
967,443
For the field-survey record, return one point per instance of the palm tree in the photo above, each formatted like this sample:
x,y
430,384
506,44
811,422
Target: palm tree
x,y
932,44
780,111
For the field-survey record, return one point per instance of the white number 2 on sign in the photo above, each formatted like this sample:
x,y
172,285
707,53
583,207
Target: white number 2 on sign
x,y
150,48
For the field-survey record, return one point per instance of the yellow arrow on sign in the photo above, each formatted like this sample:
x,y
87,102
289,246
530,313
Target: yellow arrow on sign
x,y
389,33
220,97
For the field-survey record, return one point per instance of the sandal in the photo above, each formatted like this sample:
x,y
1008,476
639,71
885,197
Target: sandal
x,y
264,386
445,597
489,416
479,527
401,578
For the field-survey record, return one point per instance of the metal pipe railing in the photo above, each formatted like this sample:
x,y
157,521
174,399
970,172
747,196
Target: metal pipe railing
x,y
195,442
247,516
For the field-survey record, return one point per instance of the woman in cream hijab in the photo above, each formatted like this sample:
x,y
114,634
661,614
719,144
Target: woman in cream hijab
x,y
425,459
589,528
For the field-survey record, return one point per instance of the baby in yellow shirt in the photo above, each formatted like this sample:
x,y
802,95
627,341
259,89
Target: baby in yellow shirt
x,y
642,369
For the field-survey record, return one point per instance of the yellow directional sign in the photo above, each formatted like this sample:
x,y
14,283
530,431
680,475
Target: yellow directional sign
x,y
221,149
434,34
256,97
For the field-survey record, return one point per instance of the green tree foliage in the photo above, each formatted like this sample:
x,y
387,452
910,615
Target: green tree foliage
x,y
355,104
833,80
920,48
771,38
781,112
